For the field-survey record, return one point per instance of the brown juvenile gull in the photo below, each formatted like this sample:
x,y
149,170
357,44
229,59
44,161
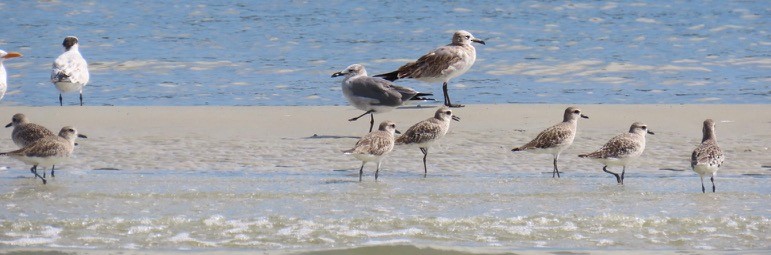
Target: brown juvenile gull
x,y
25,133
375,146
374,95
707,157
70,70
425,133
3,75
557,138
441,64
621,150
49,150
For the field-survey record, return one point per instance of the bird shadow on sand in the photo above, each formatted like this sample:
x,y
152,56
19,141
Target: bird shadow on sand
x,y
317,136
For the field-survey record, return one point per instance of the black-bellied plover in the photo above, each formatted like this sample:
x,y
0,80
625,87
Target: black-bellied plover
x,y
24,133
441,64
707,157
375,146
621,150
3,75
70,70
426,132
374,95
49,150
557,138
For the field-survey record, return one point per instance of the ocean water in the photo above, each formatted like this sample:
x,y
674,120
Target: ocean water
x,y
283,52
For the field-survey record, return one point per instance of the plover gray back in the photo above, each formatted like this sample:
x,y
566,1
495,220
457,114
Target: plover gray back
x,y
557,138
426,132
707,158
49,150
374,95
441,64
374,147
622,149
3,75
70,70
24,132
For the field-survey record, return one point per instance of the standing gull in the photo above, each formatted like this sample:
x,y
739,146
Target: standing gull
x,y
707,157
557,138
374,95
50,150
374,146
25,133
622,149
425,133
441,64
70,70
3,75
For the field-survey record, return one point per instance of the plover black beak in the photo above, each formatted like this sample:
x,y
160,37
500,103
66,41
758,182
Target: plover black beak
x,y
456,118
9,125
398,132
478,41
337,74
584,116
82,136
650,132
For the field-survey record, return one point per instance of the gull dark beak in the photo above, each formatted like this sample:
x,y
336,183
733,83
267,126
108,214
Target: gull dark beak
x,y
398,132
478,41
456,118
650,132
82,136
337,74
584,116
9,125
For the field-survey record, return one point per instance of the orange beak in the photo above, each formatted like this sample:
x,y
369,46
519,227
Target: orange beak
x,y
12,55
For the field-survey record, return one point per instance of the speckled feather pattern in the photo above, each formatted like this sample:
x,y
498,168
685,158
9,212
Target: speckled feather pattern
x,y
27,133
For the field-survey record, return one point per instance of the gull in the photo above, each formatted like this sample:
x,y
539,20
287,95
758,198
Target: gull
x,y
374,95
441,64
3,75
375,146
621,150
426,132
557,138
707,157
49,150
70,70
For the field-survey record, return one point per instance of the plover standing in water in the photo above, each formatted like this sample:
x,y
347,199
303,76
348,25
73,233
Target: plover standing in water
x,y
374,95
70,70
707,157
375,146
49,150
428,131
557,138
621,150
24,133
441,64
3,75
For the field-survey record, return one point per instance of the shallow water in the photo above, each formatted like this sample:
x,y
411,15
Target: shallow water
x,y
282,53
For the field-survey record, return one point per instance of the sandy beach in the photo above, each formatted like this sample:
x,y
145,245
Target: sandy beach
x,y
222,179
309,138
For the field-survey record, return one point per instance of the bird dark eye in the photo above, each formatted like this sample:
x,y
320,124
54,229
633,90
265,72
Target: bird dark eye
x,y
468,37
577,111
448,112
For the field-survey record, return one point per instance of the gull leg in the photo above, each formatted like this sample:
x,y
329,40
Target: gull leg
x,y
60,100
447,98
425,154
81,98
618,178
